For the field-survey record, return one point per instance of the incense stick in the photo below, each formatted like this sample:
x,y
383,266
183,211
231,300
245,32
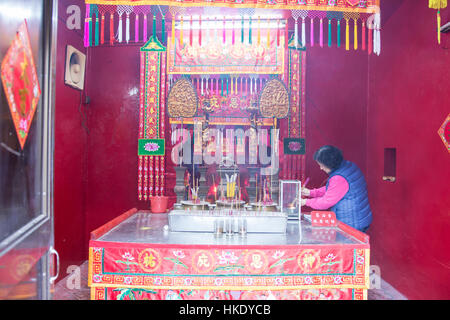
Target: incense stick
x,y
256,191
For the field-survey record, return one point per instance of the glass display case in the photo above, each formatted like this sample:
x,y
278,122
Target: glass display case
x,y
290,192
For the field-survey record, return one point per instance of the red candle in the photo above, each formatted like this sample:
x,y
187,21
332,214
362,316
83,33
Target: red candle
x,y
278,33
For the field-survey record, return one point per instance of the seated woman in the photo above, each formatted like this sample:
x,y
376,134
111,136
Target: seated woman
x,y
345,192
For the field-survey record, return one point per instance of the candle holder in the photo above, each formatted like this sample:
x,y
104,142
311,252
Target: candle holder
x,y
218,227
242,227
290,196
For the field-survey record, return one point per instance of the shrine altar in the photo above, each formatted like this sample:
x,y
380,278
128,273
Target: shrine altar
x,y
135,256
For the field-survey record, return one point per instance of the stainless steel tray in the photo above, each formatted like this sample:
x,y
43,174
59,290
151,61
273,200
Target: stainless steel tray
x,y
203,221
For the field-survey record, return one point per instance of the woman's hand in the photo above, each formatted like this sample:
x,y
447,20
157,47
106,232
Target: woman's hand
x,y
306,192
302,202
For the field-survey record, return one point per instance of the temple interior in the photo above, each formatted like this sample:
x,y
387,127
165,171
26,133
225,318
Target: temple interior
x,y
220,108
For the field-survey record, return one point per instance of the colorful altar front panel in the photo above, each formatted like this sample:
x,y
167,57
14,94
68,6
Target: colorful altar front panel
x,y
155,270
111,293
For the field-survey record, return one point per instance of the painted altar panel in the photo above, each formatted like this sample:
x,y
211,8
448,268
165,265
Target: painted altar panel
x,y
135,258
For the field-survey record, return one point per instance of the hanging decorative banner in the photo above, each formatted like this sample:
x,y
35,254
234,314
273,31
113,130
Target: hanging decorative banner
x,y
219,58
162,168
150,143
369,6
333,15
295,89
295,162
20,82
294,146
124,12
322,10
141,13
151,147
103,9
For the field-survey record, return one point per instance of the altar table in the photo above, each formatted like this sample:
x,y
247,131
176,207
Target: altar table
x,y
135,256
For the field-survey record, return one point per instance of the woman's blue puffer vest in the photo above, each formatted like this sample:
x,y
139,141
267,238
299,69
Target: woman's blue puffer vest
x,y
354,208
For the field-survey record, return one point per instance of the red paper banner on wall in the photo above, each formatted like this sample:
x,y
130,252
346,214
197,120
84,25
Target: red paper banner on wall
x,y
20,82
296,122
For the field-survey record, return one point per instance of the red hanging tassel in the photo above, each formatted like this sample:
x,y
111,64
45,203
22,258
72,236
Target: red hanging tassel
x,y
136,28
363,40
369,41
321,33
102,30
111,28
144,31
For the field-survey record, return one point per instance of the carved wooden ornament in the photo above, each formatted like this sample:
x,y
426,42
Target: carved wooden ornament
x,y
274,100
182,101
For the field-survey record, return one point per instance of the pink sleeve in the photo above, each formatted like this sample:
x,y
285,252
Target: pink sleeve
x,y
314,193
337,188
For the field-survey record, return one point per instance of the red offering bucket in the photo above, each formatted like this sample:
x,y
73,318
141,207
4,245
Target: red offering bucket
x,y
158,204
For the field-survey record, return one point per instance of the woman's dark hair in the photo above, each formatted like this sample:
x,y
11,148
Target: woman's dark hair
x,y
329,156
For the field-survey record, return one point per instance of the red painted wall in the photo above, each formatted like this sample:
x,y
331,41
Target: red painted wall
x,y
336,99
70,155
113,89
408,101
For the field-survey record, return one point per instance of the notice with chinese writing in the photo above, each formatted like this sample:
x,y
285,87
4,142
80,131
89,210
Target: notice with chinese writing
x,y
20,82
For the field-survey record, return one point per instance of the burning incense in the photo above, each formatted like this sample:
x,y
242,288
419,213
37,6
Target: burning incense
x,y
256,192
306,182
270,179
261,191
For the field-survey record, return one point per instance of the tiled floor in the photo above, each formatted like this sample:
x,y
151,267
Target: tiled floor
x,y
62,291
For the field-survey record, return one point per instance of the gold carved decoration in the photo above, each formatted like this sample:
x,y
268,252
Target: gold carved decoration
x,y
182,100
274,100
